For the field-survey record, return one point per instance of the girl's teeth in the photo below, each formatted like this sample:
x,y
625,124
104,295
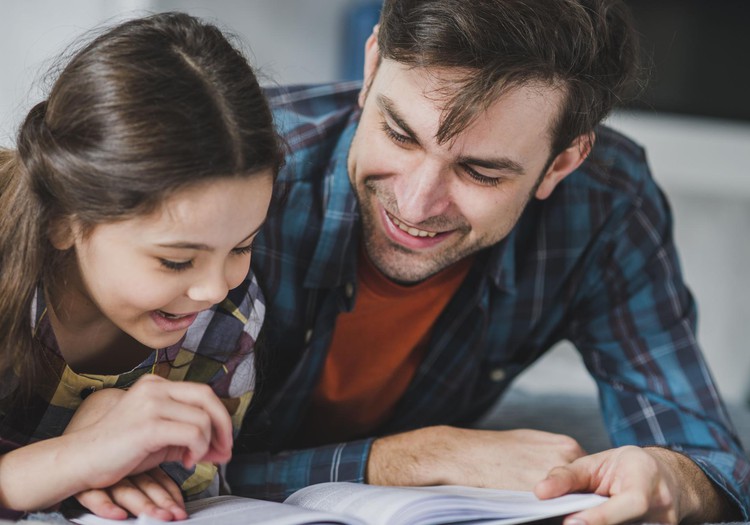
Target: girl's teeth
x,y
170,316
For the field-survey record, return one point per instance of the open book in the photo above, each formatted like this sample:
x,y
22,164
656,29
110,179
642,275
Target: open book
x,y
356,504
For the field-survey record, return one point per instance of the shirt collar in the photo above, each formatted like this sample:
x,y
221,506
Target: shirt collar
x,y
335,258
501,268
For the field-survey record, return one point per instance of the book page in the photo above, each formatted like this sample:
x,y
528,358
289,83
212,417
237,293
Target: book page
x,y
435,505
233,510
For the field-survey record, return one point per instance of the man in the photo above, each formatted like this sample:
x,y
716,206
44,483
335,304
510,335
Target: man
x,y
446,224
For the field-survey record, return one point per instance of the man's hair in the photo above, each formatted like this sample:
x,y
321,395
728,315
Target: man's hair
x,y
588,48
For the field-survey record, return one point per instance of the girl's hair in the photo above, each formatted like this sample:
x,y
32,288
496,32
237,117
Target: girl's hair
x,y
145,109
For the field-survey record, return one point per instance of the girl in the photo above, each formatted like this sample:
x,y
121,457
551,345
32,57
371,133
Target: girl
x,y
127,215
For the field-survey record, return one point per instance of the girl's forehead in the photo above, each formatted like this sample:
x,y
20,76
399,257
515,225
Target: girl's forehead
x,y
209,209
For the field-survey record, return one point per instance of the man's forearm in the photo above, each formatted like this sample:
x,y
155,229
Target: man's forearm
x,y
444,455
701,501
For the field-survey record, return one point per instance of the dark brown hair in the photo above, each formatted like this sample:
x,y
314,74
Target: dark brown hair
x,y
145,109
586,47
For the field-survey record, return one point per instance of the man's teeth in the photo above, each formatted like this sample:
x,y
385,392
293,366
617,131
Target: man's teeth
x,y
414,232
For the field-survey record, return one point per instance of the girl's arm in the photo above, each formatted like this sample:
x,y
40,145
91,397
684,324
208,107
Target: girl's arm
x,y
153,422
40,475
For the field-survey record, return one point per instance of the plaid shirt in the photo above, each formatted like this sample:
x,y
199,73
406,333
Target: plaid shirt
x,y
594,264
217,349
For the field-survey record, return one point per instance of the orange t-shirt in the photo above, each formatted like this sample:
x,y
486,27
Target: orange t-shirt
x,y
375,351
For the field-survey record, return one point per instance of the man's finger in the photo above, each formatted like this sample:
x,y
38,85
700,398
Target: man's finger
x,y
624,507
564,480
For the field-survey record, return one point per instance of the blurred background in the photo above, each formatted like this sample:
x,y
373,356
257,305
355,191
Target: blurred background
x,y
694,120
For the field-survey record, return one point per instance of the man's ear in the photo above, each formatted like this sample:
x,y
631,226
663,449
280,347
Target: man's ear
x,y
372,61
565,163
62,233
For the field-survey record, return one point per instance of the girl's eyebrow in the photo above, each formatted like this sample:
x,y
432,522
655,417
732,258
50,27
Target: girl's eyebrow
x,y
185,245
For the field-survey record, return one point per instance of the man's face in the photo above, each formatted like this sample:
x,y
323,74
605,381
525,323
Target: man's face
x,y
427,205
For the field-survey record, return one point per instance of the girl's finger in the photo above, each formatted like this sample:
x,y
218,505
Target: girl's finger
x,y
129,496
155,484
196,395
98,502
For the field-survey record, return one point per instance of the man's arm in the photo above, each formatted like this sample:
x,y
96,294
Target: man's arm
x,y
515,459
274,476
634,325
444,455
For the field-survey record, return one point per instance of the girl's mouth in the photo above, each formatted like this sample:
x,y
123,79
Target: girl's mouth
x,y
170,322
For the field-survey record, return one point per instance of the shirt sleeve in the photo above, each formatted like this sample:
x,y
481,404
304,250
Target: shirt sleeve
x,y
636,330
275,476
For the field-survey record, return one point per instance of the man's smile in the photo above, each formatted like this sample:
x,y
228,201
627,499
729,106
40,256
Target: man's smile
x,y
414,232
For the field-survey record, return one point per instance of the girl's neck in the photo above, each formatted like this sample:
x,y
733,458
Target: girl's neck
x,y
88,341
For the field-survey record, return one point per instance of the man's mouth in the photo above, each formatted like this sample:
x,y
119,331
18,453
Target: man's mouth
x,y
411,230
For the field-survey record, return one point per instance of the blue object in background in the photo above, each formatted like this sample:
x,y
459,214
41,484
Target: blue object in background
x,y
358,23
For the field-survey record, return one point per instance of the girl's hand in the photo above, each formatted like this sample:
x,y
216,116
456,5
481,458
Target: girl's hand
x,y
130,432
152,493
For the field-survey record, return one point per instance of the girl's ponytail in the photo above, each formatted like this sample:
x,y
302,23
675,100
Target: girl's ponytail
x,y
23,249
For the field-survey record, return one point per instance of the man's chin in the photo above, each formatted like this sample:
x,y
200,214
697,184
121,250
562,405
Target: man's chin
x,y
405,270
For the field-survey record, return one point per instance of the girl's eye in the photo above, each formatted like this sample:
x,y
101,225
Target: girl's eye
x,y
481,179
396,137
243,250
176,266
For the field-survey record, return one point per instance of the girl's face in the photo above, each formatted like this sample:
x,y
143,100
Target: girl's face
x,y
151,275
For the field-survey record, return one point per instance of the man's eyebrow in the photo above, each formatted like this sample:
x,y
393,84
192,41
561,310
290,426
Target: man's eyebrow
x,y
501,164
184,245
387,106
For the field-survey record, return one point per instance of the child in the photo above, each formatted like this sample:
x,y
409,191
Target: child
x,y
127,215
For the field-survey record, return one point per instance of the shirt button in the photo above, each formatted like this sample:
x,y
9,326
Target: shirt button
x,y
349,290
308,335
497,375
86,392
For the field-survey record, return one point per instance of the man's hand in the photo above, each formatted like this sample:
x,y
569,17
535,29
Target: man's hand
x,y
442,455
152,493
644,484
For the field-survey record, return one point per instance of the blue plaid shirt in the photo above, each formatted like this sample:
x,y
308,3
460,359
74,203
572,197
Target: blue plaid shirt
x,y
594,264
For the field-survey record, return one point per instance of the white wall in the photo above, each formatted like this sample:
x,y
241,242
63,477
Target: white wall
x,y
291,41
701,163
32,34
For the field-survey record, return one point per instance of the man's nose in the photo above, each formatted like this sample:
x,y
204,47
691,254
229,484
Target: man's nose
x,y
423,191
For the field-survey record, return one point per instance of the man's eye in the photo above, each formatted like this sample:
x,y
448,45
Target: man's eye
x,y
176,266
395,136
481,179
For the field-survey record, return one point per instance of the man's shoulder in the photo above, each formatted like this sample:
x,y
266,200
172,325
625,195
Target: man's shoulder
x,y
616,166
614,182
313,120
299,105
